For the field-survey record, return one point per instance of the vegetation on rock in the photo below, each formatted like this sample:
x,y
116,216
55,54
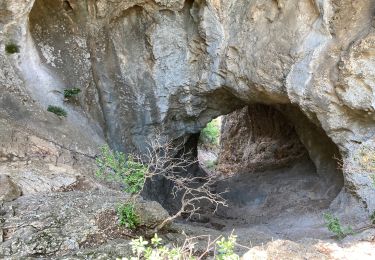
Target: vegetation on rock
x,y
70,93
128,216
119,167
225,250
132,170
12,48
333,224
211,133
222,249
208,146
57,110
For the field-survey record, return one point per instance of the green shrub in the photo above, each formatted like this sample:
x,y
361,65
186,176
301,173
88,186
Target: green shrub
x,y
143,249
127,216
71,92
12,48
211,133
225,250
57,110
119,167
333,224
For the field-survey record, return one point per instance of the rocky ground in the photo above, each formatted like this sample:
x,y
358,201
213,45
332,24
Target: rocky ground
x,y
277,216
83,225
297,76
78,224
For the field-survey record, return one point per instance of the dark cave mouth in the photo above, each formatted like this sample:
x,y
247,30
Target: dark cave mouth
x,y
268,171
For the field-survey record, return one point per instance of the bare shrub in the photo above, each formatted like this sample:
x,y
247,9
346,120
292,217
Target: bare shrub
x,y
160,160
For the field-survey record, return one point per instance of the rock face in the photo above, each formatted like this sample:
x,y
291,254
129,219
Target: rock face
x,y
8,189
53,228
258,137
171,66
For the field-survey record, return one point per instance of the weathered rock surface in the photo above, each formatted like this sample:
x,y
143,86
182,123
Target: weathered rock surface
x,y
148,66
258,137
60,224
8,189
171,66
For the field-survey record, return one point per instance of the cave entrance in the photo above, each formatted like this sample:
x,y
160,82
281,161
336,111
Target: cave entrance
x,y
280,170
209,145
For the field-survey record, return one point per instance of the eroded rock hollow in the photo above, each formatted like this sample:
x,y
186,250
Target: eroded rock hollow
x,y
170,66
273,174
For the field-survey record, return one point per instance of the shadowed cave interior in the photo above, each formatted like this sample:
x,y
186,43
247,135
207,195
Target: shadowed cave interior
x,y
277,174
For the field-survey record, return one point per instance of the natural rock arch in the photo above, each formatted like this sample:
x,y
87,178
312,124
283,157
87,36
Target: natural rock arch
x,y
170,66
223,55
276,170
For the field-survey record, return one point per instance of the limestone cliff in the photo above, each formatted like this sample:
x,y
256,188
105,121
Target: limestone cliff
x,y
170,66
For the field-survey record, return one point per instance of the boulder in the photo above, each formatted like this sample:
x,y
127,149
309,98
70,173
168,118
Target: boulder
x,y
8,189
71,224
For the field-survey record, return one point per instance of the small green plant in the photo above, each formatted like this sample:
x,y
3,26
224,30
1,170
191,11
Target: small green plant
x,y
57,110
156,250
12,48
333,224
128,216
119,167
211,133
372,218
139,247
225,250
69,93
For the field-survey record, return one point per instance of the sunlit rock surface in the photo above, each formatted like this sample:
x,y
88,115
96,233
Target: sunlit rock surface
x,y
147,67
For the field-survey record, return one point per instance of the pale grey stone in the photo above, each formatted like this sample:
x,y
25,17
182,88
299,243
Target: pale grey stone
x,y
170,66
8,189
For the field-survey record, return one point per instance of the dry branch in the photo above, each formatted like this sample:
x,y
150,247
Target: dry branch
x,y
162,161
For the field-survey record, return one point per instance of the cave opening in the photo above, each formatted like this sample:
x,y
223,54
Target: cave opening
x,y
279,169
208,147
